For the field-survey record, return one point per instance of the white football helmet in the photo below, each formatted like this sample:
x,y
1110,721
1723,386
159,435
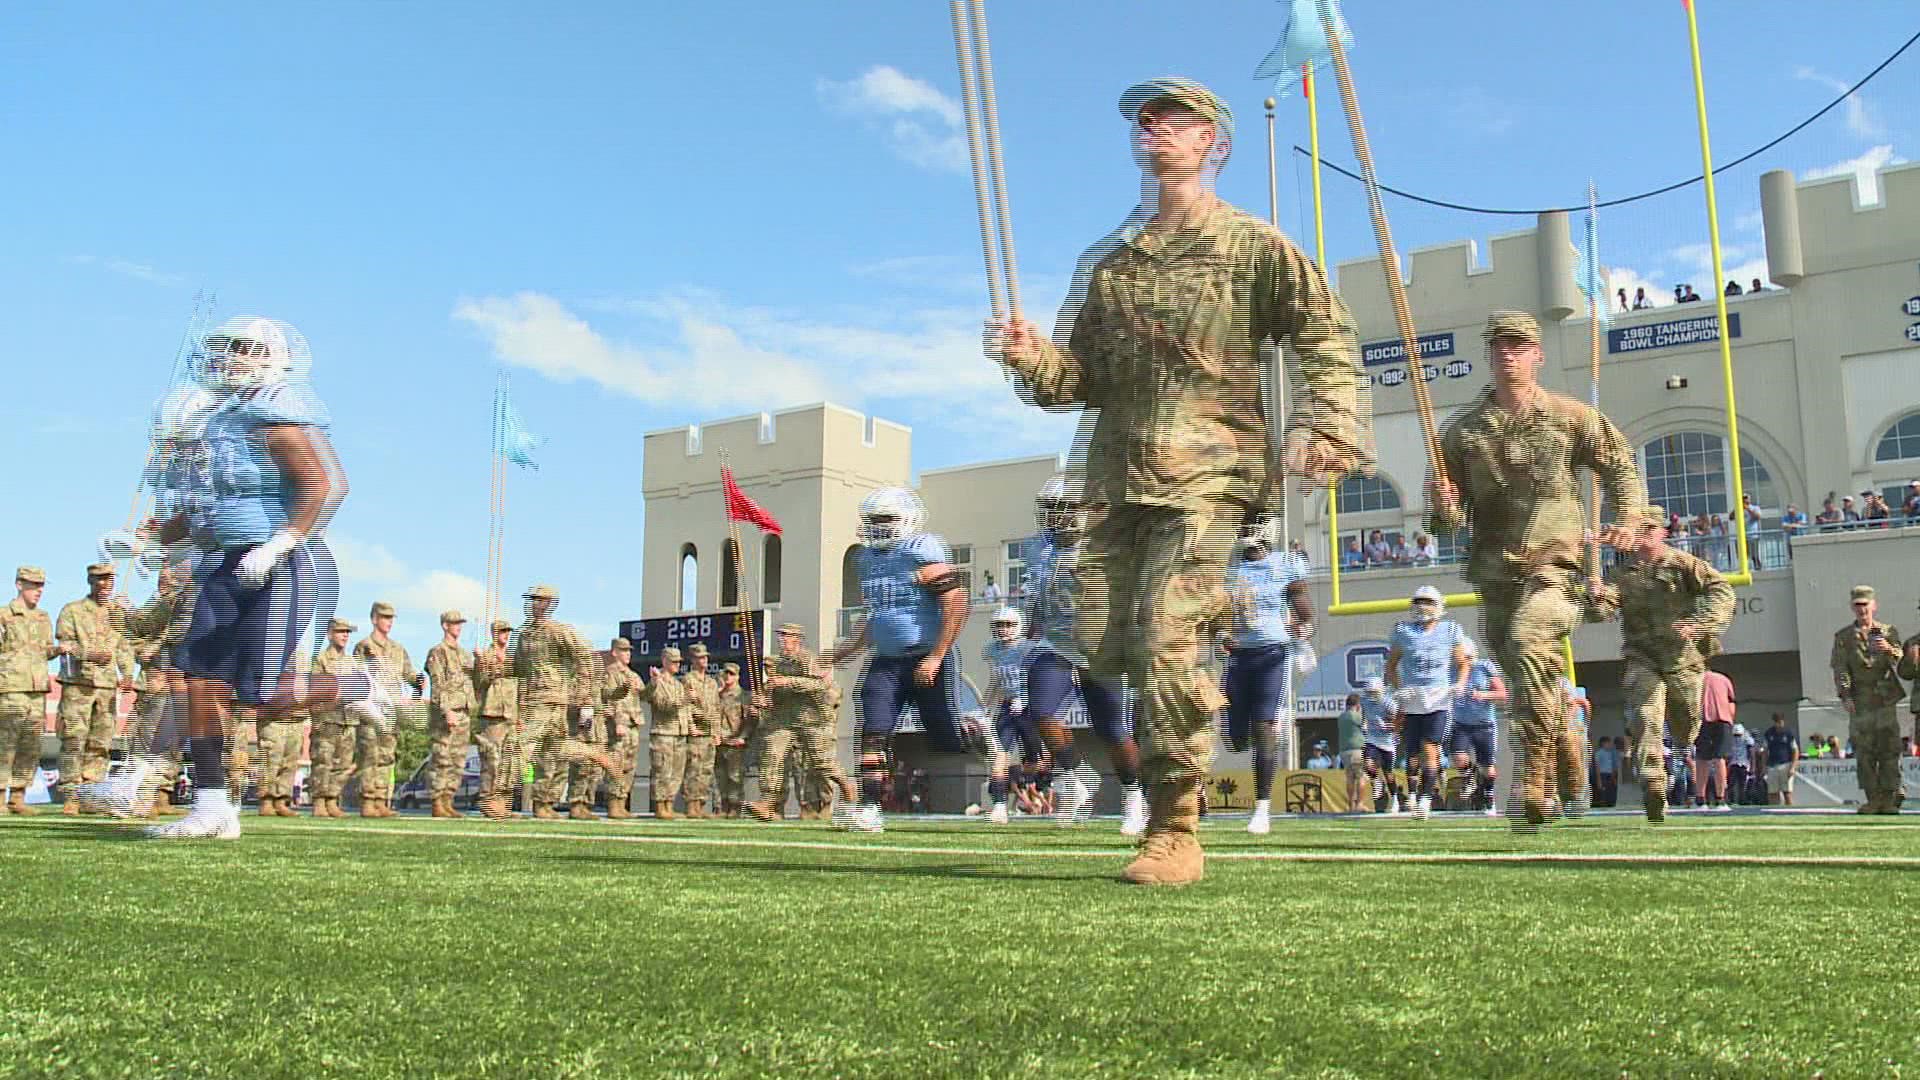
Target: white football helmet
x,y
181,414
250,351
1058,508
1009,625
1428,604
1262,533
890,515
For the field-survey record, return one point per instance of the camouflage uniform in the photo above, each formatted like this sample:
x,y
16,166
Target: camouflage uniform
x,y
331,744
1869,680
671,709
450,723
799,720
557,672
499,694
26,644
1910,670
620,695
1515,475
1664,671
89,689
1166,349
379,745
704,692
278,743
730,762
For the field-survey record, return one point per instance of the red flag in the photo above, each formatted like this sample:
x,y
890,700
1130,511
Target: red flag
x,y
741,508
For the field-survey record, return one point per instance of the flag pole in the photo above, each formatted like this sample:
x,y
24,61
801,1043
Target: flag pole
x,y
1598,296
743,613
1320,260
976,151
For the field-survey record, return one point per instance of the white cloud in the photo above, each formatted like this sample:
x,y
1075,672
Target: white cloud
x,y
128,268
1626,277
368,569
1863,169
948,273
1480,113
1862,120
923,125
923,366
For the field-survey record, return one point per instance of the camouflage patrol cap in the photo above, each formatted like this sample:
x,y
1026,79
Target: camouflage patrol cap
x,y
32,575
793,628
543,592
339,626
502,624
451,616
381,607
622,643
696,649
1180,91
1512,324
1862,592
730,668
100,569
670,653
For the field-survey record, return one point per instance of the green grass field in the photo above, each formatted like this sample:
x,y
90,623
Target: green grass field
x,y
1713,946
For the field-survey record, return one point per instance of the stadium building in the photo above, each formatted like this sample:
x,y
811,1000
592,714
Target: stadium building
x,y
1826,364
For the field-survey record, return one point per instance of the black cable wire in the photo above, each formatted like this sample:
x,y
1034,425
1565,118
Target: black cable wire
x,y
1741,160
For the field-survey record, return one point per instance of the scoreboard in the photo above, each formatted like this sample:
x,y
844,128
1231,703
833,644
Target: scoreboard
x,y
724,633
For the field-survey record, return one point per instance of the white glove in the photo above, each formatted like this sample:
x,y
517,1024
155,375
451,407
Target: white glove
x,y
1018,705
586,713
1304,658
119,545
257,566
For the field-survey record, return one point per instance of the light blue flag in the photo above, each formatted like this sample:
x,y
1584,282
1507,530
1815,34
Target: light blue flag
x,y
1303,42
1588,275
511,439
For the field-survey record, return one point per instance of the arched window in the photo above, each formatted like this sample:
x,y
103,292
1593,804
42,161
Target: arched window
x,y
1902,440
770,569
850,579
1686,473
730,574
689,577
1359,494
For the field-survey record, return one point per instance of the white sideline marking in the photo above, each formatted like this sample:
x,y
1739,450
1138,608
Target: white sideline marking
x,y
1427,857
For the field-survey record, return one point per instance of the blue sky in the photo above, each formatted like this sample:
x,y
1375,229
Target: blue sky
x,y
656,214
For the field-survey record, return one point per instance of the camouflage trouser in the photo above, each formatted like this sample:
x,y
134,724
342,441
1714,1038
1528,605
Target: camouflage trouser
x,y
542,738
814,745
1526,625
1875,732
1660,703
377,754
586,776
730,774
490,738
666,765
331,748
624,748
87,728
279,742
21,717
699,778
242,742
448,734
1152,583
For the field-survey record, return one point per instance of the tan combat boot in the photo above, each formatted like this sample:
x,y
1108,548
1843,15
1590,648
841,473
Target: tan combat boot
x,y
452,810
285,808
495,808
440,807
334,809
1571,762
266,807
17,804
70,805
697,809
664,811
1540,765
617,810
544,811
369,808
581,812
762,810
164,806
319,808
1170,854
1654,798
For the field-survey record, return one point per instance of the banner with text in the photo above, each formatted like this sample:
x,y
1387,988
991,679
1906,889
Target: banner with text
x,y
1665,335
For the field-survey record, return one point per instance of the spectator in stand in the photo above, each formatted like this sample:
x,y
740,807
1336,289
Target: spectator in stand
x,y
1321,758
1912,505
1402,554
1783,761
1793,522
1752,514
1378,552
1352,558
1425,551
1877,514
1906,746
1849,517
1679,294
1816,748
1834,750
1623,297
1640,300
1733,288
990,592
1676,525
1606,772
1737,764
1829,516
1722,542
1756,286
1715,743
1692,297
